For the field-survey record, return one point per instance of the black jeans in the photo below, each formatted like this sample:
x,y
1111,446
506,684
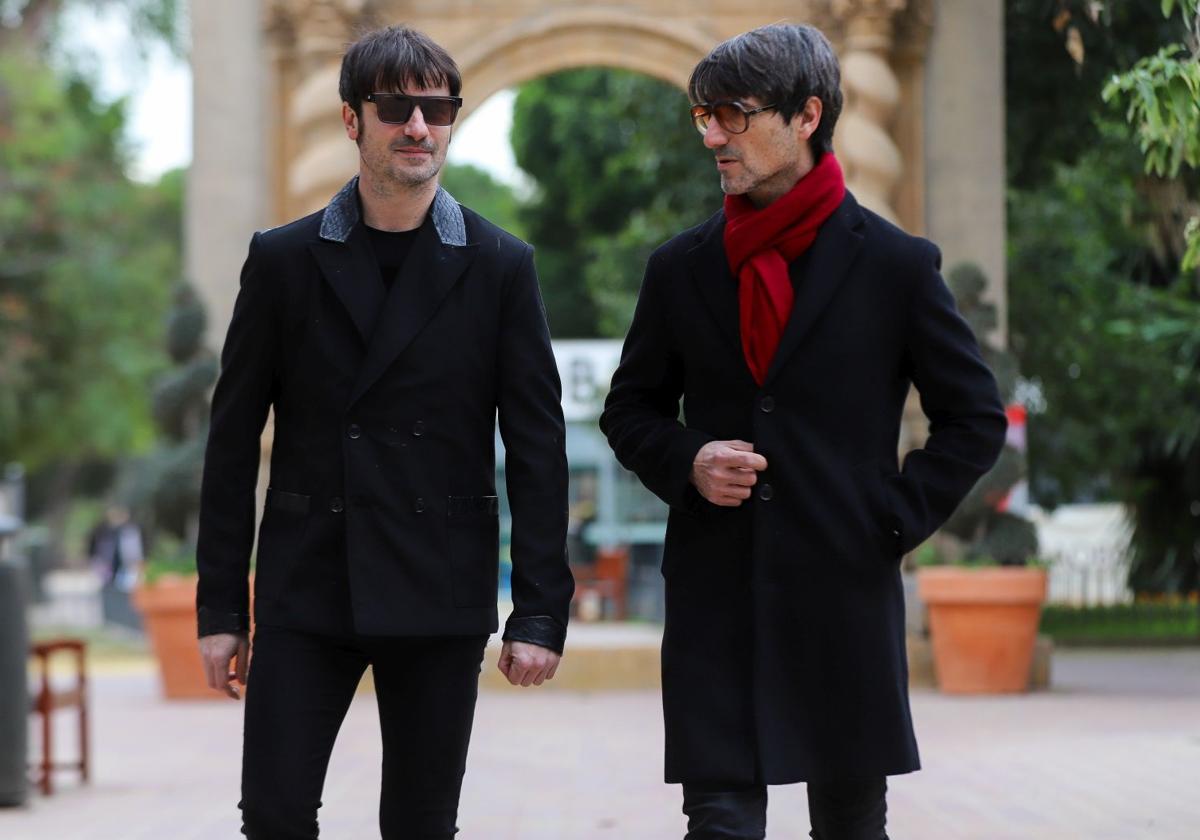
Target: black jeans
x,y
850,810
299,688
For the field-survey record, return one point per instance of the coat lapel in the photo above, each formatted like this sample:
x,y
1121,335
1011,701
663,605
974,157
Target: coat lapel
x,y
832,253
438,258
351,269
714,281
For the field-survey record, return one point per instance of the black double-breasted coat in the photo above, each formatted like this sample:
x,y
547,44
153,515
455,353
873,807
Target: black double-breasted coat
x,y
783,656
382,517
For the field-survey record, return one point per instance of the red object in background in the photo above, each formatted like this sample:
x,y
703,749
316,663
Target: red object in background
x,y
1016,414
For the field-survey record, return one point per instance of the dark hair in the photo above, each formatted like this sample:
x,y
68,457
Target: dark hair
x,y
385,60
781,64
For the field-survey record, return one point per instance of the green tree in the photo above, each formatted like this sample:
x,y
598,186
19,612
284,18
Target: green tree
x,y
618,169
1161,94
1104,322
1113,354
89,257
89,260
1058,56
479,190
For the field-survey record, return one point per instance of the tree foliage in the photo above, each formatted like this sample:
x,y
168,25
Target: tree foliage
x,y
1105,323
1058,56
495,201
89,259
618,169
1162,98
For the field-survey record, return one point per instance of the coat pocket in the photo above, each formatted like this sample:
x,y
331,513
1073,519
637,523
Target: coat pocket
x,y
473,538
879,520
285,520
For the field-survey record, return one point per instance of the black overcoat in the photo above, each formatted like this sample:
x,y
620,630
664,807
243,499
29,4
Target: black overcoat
x,y
381,517
783,655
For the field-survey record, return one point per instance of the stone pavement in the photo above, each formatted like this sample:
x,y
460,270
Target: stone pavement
x,y
1112,751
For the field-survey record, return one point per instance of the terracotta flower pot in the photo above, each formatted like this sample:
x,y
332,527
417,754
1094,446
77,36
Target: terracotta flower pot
x,y
168,608
982,625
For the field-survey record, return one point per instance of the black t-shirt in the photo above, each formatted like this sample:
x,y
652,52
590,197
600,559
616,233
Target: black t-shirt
x,y
391,248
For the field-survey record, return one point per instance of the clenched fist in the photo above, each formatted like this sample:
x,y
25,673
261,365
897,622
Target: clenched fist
x,y
725,470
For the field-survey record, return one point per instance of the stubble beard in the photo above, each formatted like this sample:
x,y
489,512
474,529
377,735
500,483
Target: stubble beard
x,y
408,176
389,171
739,183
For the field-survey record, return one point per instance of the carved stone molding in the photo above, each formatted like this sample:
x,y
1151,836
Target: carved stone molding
x,y
913,28
313,31
869,24
498,45
872,159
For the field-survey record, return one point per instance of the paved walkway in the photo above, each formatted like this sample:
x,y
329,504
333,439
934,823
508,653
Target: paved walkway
x,y
1113,751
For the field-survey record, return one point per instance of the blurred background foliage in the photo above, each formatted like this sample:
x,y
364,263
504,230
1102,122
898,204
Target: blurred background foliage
x,y
90,256
1104,322
1103,319
618,169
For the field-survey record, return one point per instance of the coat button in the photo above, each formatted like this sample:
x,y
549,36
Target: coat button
x,y
419,505
418,428
767,405
354,431
336,505
766,492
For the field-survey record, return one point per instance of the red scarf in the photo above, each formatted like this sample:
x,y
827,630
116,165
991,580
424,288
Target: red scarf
x,y
759,245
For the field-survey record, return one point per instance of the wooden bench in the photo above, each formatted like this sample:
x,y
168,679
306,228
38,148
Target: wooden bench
x,y
47,699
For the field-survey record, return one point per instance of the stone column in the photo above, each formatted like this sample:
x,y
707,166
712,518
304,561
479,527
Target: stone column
x,y
227,185
866,148
964,141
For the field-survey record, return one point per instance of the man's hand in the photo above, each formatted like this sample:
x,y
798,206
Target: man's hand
x,y
525,664
216,652
725,470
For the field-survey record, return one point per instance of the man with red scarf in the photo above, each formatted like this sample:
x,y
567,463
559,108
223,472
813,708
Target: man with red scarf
x,y
791,325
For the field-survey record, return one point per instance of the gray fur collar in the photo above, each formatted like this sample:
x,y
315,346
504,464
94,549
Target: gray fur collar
x,y
342,215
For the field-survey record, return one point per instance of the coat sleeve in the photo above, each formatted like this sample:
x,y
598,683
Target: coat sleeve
x,y
959,396
641,412
240,403
529,403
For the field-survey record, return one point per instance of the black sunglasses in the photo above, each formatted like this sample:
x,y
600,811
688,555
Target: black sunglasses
x,y
731,115
397,108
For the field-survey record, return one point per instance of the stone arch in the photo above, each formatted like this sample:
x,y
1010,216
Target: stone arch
x,y
881,43
571,38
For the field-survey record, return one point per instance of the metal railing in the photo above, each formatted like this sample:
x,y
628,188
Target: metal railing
x,y
1089,577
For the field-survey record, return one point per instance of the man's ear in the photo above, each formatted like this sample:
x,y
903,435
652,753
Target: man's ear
x,y
350,120
808,120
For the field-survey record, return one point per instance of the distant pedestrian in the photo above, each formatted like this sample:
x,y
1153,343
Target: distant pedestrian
x,y
116,554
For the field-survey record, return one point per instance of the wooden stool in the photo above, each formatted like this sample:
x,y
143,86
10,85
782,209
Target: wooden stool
x,y
47,700
607,578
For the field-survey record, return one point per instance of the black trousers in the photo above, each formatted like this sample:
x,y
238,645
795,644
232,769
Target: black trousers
x,y
299,688
850,810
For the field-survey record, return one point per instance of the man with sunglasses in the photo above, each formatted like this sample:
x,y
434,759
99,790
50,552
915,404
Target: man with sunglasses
x,y
388,331
791,325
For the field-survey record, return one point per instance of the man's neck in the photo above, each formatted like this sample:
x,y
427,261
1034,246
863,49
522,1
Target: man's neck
x,y
393,207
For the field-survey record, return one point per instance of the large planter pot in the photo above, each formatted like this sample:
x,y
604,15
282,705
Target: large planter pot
x,y
168,608
982,625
